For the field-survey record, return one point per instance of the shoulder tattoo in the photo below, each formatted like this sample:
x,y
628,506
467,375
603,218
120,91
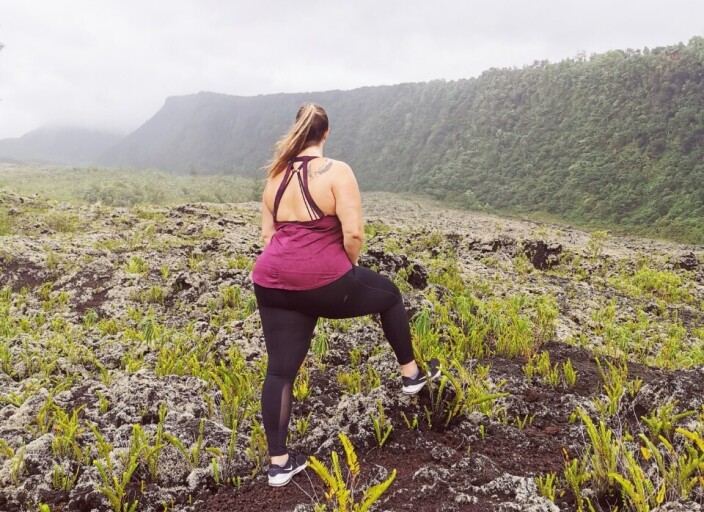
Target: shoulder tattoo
x,y
323,169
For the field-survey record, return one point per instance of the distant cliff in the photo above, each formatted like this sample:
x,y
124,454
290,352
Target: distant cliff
x,y
613,139
59,145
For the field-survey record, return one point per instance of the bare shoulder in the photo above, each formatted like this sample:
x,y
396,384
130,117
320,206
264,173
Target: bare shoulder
x,y
339,164
329,167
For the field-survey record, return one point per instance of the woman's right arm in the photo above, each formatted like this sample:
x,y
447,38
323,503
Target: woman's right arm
x,y
348,208
268,229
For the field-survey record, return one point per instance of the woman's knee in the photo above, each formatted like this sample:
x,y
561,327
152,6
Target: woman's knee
x,y
281,373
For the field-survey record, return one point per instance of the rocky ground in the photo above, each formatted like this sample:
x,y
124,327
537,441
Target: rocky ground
x,y
112,317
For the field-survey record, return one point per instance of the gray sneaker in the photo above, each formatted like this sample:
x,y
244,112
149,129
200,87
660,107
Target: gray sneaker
x,y
281,475
413,386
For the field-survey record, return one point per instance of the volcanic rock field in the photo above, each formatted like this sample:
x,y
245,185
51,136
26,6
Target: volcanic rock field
x,y
132,358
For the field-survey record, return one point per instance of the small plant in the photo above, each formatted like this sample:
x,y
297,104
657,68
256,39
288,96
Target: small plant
x,y
153,451
372,379
257,449
321,342
90,317
154,295
410,424
576,475
547,485
103,447
67,430
136,265
661,421
569,373
192,454
250,306
5,450
5,224
231,297
603,452
196,261
61,222
302,425
238,386
351,382
53,260
17,466
637,487
240,262
356,357
63,480
523,422
546,313
215,470
472,392
356,381
596,243
382,427
301,389
115,486
633,386
341,490
614,379
211,233
541,366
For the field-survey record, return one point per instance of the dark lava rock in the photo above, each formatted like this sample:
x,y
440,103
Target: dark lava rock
x,y
688,262
417,274
542,255
502,243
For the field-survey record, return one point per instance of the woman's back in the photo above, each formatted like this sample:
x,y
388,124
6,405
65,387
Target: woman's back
x,y
321,178
306,249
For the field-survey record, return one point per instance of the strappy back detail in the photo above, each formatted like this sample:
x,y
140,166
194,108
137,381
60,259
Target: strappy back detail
x,y
305,254
313,210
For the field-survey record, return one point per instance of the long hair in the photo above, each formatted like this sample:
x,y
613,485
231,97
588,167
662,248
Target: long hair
x,y
309,128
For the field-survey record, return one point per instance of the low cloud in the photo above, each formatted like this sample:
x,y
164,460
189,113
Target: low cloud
x,y
111,64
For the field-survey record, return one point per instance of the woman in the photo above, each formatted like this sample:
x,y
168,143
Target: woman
x,y
313,233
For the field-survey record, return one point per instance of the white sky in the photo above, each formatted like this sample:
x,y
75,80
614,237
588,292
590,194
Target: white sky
x,y
111,63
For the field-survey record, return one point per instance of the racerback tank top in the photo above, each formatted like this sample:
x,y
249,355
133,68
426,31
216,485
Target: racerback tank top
x,y
302,255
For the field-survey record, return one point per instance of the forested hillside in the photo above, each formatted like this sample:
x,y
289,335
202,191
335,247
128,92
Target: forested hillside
x,y
613,139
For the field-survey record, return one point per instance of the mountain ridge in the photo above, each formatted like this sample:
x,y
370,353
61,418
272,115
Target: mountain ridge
x,y
613,139
69,145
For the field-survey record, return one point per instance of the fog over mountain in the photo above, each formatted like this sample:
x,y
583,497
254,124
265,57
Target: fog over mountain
x,y
615,138
58,145
110,64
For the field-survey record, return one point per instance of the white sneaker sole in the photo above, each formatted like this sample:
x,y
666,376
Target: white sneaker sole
x,y
283,478
415,389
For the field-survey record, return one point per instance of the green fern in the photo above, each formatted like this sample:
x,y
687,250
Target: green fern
x,y
352,461
340,493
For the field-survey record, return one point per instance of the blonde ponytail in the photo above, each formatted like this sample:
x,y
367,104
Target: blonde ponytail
x,y
309,128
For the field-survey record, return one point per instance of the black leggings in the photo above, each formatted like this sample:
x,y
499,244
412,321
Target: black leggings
x,y
289,318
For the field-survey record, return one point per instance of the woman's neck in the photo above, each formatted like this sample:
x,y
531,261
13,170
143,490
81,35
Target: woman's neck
x,y
316,150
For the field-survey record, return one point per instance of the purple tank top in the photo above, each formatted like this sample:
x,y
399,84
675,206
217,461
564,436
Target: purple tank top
x,y
302,255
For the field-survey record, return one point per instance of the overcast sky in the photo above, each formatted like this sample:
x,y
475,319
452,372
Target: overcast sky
x,y
112,63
